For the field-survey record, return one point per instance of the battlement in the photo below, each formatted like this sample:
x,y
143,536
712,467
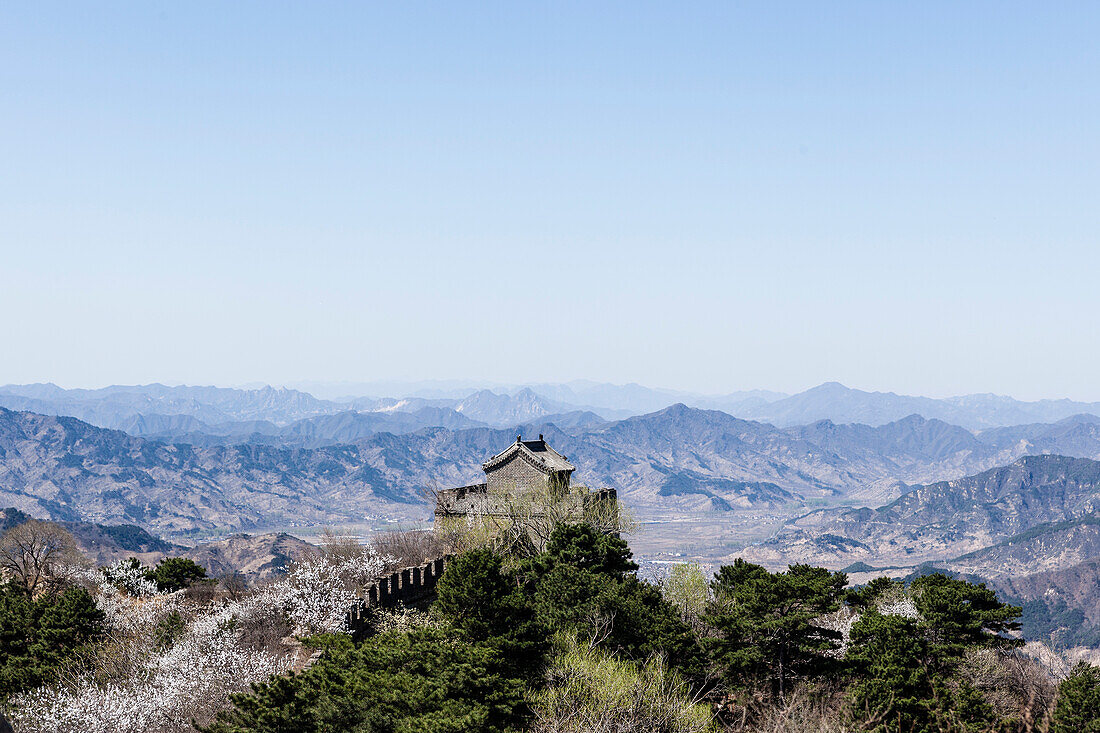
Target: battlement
x,y
463,500
408,587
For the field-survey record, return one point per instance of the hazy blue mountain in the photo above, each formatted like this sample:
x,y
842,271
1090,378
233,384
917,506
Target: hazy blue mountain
x,y
158,424
397,404
840,404
612,401
432,389
626,400
1078,435
736,402
350,427
150,409
504,409
633,398
575,420
912,438
118,405
336,429
837,403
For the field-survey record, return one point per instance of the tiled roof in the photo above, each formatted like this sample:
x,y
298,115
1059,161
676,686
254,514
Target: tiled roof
x,y
536,451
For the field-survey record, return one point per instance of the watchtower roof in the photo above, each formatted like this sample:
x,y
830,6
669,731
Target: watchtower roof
x,y
537,452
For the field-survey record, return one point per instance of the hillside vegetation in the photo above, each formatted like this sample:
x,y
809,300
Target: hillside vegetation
x,y
568,639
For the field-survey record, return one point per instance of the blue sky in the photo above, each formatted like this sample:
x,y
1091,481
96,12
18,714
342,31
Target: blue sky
x,y
692,195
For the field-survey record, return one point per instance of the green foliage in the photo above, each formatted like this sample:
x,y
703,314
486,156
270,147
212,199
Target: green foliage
x,y
591,689
866,596
903,669
481,601
766,622
583,582
38,636
959,615
1077,709
686,588
1057,622
627,658
970,711
425,681
169,630
582,546
176,573
891,660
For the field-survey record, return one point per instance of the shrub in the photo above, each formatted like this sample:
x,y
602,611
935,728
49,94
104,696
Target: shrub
x,y
426,681
138,682
1077,709
592,690
961,615
38,636
686,588
127,576
33,552
482,602
176,573
891,662
766,623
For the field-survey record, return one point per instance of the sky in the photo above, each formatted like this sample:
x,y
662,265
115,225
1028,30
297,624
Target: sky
x,y
699,196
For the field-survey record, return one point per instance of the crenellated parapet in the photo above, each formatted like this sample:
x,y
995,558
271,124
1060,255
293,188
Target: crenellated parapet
x,y
408,587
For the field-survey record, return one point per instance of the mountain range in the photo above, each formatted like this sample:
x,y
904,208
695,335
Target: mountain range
x,y
1041,512
1017,504
679,459
158,410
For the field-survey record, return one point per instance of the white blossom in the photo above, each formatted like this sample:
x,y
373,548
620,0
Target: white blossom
x,y
163,690
898,605
317,592
129,577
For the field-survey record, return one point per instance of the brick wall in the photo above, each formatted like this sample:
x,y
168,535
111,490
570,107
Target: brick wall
x,y
516,473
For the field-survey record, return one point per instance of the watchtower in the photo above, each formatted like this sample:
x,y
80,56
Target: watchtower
x,y
527,483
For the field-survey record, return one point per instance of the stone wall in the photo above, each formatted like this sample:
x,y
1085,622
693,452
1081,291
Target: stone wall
x,y
408,587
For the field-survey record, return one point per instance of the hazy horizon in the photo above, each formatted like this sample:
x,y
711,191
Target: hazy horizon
x,y
711,197
331,390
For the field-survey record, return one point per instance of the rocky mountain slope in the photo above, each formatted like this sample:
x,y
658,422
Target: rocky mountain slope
x,y
1048,497
65,469
1076,586
676,459
1048,546
252,557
